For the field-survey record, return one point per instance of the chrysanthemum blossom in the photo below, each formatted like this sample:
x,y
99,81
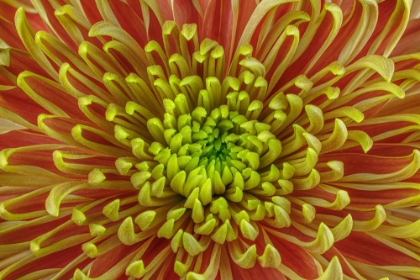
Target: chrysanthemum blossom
x,y
243,139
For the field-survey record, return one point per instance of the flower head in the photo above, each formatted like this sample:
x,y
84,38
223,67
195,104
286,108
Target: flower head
x,y
209,139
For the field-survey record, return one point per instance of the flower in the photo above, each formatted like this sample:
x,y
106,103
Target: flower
x,y
161,139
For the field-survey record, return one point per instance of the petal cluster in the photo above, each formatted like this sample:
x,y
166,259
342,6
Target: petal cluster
x,y
209,139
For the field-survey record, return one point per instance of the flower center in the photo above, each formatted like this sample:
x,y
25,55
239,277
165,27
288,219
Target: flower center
x,y
209,157
208,161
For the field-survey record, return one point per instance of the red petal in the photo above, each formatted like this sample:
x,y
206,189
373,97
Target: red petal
x,y
223,25
365,163
385,19
366,249
130,21
347,30
20,138
51,95
256,272
294,257
56,25
91,11
21,61
105,262
13,99
55,260
9,34
346,267
410,41
186,12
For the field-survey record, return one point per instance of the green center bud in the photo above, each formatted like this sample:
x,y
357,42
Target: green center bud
x,y
209,164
